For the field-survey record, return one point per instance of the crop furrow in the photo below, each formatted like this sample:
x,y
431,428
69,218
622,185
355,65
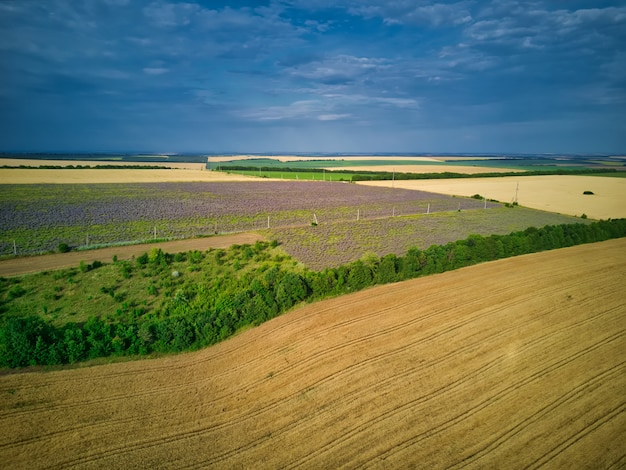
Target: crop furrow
x,y
600,421
501,394
448,387
591,384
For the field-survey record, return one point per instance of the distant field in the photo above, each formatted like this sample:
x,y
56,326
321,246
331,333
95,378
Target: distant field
x,y
518,363
37,218
36,163
357,163
63,176
465,169
560,193
334,244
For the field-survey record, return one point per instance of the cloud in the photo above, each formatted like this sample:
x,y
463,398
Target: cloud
x,y
333,117
167,15
337,69
155,70
414,13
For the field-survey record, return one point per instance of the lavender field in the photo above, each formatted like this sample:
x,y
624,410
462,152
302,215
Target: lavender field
x,y
36,218
334,244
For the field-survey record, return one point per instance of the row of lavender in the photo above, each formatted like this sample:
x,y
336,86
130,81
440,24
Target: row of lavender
x,y
36,218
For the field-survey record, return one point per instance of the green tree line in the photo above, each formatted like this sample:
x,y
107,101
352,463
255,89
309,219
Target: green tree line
x,y
195,315
398,175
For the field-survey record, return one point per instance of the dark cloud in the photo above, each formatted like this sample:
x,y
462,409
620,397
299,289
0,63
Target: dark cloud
x,y
361,74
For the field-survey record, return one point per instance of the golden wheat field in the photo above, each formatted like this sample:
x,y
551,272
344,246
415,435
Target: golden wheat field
x,y
95,176
509,364
554,193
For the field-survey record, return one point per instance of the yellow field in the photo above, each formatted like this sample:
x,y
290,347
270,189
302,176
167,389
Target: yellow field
x,y
37,176
558,193
518,363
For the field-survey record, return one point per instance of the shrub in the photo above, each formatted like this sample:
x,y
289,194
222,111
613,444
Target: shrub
x,y
63,248
588,192
15,292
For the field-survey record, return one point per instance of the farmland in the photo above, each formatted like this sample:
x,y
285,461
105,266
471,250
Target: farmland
x,y
40,217
562,193
333,244
531,374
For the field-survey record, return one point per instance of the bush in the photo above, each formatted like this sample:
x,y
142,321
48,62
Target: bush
x,y
588,192
63,248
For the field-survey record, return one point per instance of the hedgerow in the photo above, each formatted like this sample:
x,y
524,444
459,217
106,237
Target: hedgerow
x,y
196,314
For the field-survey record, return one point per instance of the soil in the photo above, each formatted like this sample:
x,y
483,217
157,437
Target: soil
x,y
508,364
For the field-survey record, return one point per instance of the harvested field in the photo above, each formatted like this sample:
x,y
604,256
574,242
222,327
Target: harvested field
x,y
89,176
526,371
558,193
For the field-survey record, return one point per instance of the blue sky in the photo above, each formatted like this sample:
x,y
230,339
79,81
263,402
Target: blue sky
x,y
313,76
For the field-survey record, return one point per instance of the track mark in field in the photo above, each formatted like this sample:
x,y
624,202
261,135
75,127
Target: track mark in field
x,y
379,358
374,370
498,396
600,421
586,387
452,386
359,365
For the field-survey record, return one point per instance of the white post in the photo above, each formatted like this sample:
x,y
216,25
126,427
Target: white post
x,y
459,207
393,212
358,214
155,232
485,202
428,210
268,221
315,217
14,248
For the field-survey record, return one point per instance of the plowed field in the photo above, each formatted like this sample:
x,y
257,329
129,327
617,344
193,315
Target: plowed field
x,y
510,364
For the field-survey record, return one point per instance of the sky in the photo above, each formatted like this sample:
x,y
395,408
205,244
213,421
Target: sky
x,y
329,76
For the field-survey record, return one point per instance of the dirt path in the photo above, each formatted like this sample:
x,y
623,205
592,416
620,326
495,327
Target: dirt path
x,y
30,264
517,363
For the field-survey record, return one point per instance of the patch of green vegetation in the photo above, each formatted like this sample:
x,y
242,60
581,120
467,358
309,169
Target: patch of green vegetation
x,y
614,174
160,303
